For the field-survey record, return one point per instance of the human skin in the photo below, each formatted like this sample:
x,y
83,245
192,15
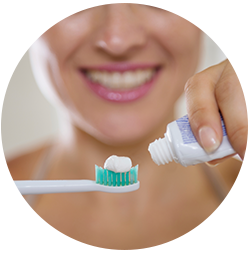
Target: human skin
x,y
228,27
171,201
133,34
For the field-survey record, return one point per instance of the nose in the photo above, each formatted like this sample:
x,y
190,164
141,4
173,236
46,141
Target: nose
x,y
121,31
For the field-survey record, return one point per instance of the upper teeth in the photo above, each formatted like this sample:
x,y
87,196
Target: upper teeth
x,y
118,80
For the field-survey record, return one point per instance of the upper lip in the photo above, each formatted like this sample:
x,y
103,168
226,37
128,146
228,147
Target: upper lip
x,y
120,67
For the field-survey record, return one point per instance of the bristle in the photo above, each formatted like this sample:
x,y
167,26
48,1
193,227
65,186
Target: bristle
x,y
131,175
127,178
123,178
97,174
135,173
101,175
110,178
113,178
105,178
118,179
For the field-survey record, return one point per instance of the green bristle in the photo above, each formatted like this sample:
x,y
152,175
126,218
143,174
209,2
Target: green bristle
x,y
101,171
105,177
136,173
118,179
132,175
97,179
113,178
127,178
109,177
123,179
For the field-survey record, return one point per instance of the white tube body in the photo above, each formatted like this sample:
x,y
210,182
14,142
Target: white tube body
x,y
180,145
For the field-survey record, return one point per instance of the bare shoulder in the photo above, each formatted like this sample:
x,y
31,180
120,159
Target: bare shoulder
x,y
22,166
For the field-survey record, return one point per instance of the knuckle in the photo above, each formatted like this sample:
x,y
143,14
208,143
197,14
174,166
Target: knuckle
x,y
188,85
200,81
227,86
191,83
196,116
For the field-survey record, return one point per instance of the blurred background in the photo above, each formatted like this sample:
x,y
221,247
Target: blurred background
x,y
28,119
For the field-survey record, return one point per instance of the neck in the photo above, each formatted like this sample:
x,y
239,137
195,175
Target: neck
x,y
80,152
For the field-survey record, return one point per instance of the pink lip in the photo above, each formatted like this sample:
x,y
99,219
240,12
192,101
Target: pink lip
x,y
120,95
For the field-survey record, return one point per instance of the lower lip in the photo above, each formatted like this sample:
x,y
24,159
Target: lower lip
x,y
118,95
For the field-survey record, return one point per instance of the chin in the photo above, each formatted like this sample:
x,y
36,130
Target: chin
x,y
120,138
120,131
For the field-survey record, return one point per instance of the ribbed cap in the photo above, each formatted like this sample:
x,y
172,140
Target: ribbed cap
x,y
160,152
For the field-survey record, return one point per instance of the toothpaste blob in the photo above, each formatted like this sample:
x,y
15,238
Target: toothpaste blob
x,y
118,164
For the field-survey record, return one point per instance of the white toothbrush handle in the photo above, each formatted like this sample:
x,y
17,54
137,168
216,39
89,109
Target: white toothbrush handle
x,y
63,186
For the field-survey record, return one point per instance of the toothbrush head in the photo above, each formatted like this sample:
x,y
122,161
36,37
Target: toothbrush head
x,y
119,182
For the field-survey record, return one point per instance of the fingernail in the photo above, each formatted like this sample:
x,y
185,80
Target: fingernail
x,y
208,139
245,164
211,165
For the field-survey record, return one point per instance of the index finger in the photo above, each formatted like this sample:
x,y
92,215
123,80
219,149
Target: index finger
x,y
202,107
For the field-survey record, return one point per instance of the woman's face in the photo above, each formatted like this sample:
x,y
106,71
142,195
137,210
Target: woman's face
x,y
117,69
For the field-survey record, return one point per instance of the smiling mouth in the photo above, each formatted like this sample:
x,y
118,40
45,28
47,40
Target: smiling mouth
x,y
121,81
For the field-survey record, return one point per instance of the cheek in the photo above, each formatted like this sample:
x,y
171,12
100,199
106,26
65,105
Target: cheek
x,y
180,39
68,35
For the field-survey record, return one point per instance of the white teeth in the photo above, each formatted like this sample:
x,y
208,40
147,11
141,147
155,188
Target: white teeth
x,y
118,80
140,76
129,79
115,79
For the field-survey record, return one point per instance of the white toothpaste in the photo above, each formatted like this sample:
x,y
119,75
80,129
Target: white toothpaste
x,y
118,164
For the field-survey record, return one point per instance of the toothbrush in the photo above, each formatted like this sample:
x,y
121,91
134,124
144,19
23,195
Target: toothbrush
x,y
106,181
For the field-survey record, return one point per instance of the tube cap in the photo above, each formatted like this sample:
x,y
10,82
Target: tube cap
x,y
160,152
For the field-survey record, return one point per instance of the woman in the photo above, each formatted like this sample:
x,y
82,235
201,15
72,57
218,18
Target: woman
x,y
116,71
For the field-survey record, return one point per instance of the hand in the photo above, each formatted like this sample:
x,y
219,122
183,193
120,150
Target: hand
x,y
217,88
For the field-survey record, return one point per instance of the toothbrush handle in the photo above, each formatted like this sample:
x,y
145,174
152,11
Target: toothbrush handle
x,y
60,186
55,186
